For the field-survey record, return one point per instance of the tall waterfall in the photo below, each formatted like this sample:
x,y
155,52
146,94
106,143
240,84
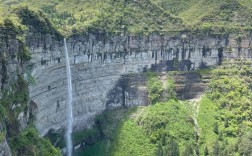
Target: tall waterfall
x,y
69,105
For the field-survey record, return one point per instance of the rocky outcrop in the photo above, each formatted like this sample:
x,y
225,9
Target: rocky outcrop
x,y
9,64
105,70
5,149
10,68
190,85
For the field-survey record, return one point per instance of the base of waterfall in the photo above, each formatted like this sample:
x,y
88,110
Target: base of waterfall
x,y
64,150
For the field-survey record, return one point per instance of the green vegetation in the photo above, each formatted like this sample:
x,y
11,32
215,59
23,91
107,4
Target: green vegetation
x,y
154,87
11,28
163,122
153,129
28,142
71,17
168,128
163,128
224,111
98,149
15,93
105,132
131,140
206,120
144,131
36,19
2,136
159,91
142,16
19,95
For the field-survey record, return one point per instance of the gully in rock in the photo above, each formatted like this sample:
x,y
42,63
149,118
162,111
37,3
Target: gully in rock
x,y
69,105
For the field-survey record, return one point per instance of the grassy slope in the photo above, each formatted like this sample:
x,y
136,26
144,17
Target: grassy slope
x,y
140,131
131,140
144,16
228,104
231,14
206,121
78,16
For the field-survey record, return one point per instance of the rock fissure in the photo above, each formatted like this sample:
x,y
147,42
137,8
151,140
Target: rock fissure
x,y
100,76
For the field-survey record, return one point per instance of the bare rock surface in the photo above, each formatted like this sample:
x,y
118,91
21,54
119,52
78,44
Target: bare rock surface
x,y
106,71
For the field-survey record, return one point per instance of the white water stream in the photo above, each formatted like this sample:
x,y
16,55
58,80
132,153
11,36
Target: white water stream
x,y
69,108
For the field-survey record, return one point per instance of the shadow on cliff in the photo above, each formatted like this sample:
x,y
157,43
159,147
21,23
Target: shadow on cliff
x,y
130,90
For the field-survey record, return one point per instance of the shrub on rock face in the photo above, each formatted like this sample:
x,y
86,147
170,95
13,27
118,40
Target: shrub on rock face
x,y
23,54
28,142
155,88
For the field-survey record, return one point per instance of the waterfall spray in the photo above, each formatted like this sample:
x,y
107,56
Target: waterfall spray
x,y
69,105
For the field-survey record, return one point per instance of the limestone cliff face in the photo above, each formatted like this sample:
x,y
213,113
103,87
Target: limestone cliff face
x,y
106,71
10,68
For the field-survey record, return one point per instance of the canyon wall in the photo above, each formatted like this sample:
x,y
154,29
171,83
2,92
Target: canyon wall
x,y
107,72
10,68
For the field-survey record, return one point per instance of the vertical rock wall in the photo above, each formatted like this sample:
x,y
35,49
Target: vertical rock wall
x,y
106,71
10,68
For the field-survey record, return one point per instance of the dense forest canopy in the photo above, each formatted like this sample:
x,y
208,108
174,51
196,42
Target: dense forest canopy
x,y
141,16
218,123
